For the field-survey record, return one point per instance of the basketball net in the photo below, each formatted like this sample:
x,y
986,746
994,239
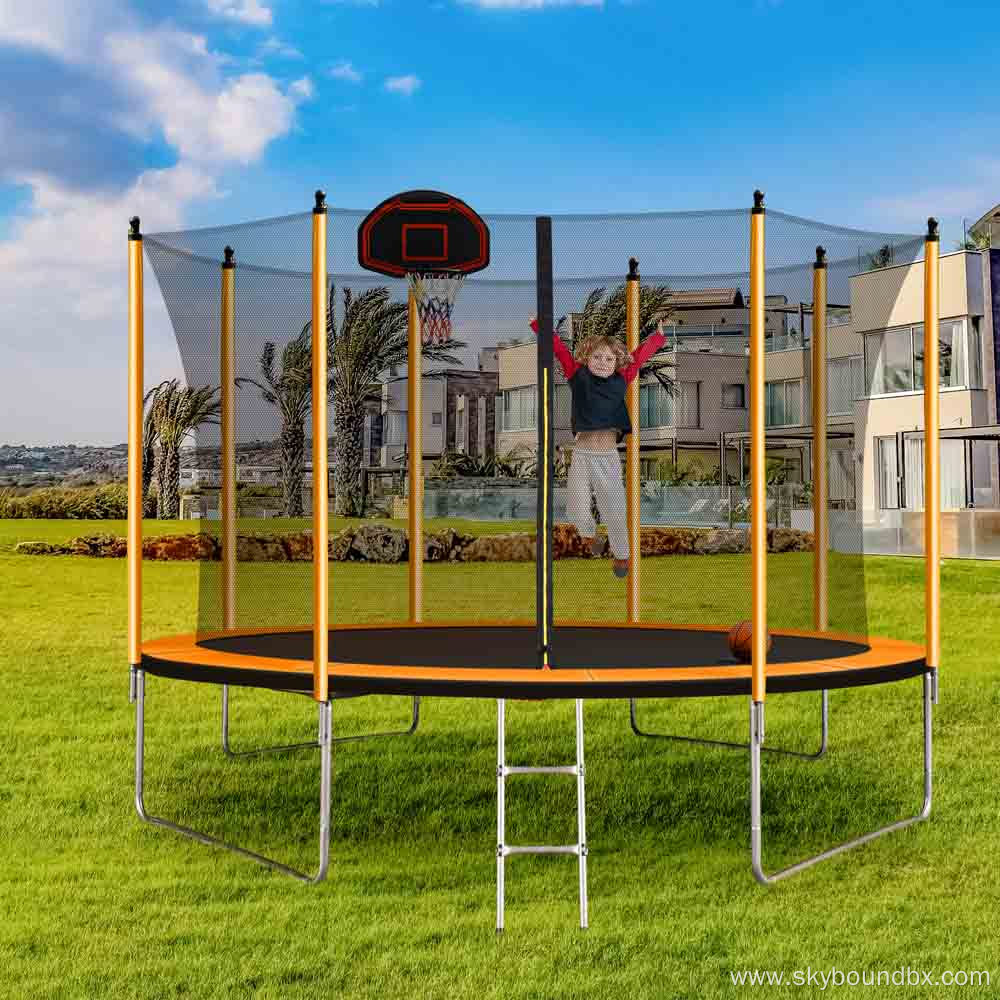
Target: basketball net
x,y
434,293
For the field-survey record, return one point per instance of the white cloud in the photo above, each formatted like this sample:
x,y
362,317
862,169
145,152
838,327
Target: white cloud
x,y
61,281
910,210
62,260
274,46
204,118
530,4
405,85
244,11
61,28
302,89
344,70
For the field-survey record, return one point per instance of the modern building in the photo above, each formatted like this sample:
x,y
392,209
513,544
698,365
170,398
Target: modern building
x,y
459,414
874,390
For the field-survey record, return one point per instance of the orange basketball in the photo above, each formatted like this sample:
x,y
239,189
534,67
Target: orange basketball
x,y
741,641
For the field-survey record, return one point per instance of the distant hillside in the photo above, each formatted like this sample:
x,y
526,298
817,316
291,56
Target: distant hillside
x,y
73,464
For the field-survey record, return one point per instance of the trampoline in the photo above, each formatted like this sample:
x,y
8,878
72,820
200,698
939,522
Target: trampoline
x,y
311,608
498,661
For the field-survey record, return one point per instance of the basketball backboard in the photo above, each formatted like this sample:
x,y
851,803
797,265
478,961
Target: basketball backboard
x,y
423,232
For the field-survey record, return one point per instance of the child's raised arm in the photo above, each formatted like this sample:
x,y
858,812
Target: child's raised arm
x,y
563,354
653,343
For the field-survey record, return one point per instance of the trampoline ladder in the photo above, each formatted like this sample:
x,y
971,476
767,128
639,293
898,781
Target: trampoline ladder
x,y
505,850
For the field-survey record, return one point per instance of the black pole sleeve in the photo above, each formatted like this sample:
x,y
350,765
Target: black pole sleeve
x,y
546,445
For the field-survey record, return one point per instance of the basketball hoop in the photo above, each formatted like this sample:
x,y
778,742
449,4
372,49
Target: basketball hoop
x,y
435,293
433,240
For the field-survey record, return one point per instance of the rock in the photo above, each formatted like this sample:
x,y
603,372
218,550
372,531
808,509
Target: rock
x,y
438,545
260,548
459,546
380,543
298,547
339,545
722,541
385,544
41,549
789,540
567,543
102,546
182,547
500,548
668,541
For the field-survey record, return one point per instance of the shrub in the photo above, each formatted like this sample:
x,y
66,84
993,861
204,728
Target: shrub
x,y
107,502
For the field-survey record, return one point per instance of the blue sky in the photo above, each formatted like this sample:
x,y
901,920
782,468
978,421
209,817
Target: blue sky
x,y
201,112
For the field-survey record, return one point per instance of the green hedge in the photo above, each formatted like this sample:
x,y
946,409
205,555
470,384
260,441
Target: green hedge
x,y
108,502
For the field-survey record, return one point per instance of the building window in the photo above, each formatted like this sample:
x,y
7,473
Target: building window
x,y
519,408
481,425
394,428
436,419
461,424
656,406
660,408
783,403
953,474
894,359
888,473
734,397
845,382
975,356
689,405
841,476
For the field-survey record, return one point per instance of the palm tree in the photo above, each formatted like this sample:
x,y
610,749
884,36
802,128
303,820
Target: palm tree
x,y
882,258
290,390
976,239
370,339
177,411
604,315
149,440
150,443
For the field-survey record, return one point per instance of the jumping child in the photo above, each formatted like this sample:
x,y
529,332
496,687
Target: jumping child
x,y
598,377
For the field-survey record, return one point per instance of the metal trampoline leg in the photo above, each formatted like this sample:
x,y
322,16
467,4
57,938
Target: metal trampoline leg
x,y
137,690
701,741
310,745
414,722
930,697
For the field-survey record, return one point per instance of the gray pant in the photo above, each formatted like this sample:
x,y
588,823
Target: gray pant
x,y
598,474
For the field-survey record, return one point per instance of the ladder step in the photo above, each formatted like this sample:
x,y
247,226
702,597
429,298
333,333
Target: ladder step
x,y
507,850
560,769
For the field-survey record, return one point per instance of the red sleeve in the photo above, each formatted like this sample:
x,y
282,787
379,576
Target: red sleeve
x,y
564,356
653,343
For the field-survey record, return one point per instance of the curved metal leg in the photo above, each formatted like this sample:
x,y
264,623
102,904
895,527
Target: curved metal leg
x,y
414,722
311,744
137,690
930,697
802,754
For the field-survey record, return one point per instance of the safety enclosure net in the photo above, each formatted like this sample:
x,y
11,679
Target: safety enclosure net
x,y
484,467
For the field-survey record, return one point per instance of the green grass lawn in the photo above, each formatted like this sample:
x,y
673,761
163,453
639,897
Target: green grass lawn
x,y
97,904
